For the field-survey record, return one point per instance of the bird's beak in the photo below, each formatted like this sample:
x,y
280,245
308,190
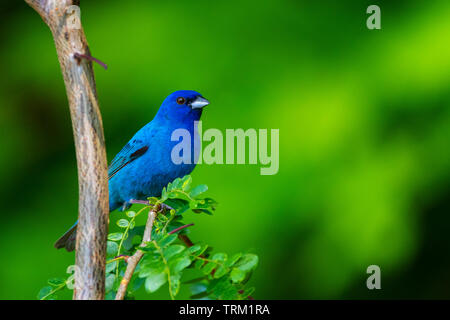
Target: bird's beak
x,y
199,102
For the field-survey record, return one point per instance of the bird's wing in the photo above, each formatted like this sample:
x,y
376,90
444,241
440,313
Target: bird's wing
x,y
132,150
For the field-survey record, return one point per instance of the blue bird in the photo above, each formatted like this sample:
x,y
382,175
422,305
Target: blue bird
x,y
144,166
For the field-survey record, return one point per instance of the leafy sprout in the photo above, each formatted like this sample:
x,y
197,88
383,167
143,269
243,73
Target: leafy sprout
x,y
166,257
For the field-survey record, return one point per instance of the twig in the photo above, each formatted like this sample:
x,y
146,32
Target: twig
x,y
185,239
121,257
63,18
137,256
90,58
180,228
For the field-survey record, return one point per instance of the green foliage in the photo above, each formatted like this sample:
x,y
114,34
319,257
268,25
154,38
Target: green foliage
x,y
166,257
55,285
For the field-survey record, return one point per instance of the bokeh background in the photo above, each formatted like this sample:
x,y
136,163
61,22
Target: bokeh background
x,y
364,119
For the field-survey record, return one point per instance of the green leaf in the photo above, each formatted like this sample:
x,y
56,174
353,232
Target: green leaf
x,y
112,248
180,263
134,237
130,214
153,200
198,190
193,205
168,240
202,211
198,264
223,289
157,236
137,283
116,236
111,266
248,262
175,284
194,248
229,293
172,250
176,184
123,223
154,281
220,271
207,204
153,267
219,257
44,291
180,205
202,250
237,275
164,194
56,282
109,281
186,183
209,267
234,258
173,195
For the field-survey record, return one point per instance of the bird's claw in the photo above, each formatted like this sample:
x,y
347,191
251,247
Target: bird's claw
x,y
134,201
165,207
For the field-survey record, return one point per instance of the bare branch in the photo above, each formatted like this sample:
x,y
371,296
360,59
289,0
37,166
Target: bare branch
x,y
63,18
186,240
137,256
181,228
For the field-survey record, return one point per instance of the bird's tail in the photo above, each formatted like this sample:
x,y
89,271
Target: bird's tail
x,y
67,240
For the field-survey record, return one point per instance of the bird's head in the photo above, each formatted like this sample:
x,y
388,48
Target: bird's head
x,y
183,105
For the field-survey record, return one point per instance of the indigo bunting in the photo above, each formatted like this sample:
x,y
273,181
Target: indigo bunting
x,y
145,165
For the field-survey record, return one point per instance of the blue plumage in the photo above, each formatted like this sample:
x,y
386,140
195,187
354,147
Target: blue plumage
x,y
144,166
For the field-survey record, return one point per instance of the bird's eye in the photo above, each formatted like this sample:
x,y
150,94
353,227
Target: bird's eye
x,y
181,100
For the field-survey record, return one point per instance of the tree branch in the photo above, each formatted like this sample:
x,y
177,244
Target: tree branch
x,y
63,18
181,228
133,261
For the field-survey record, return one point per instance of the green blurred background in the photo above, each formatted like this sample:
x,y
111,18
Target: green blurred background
x,y
364,123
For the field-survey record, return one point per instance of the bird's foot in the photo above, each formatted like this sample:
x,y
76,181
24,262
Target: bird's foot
x,y
165,207
134,201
